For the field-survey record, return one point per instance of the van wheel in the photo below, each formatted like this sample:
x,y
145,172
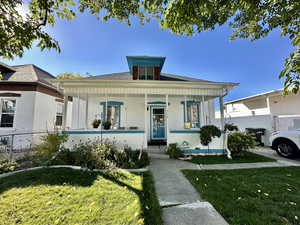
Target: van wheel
x,y
286,149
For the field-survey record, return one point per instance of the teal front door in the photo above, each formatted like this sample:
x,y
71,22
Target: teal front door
x,y
158,128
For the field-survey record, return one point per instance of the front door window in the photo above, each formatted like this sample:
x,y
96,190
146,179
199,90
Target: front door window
x,y
158,123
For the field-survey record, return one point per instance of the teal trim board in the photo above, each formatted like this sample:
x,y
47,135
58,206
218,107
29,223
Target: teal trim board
x,y
103,132
111,103
157,103
185,131
145,61
190,102
204,151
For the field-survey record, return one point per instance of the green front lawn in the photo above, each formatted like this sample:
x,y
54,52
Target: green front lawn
x,y
247,157
72,197
266,196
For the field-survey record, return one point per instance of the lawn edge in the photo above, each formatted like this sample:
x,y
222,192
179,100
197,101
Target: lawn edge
x,y
73,167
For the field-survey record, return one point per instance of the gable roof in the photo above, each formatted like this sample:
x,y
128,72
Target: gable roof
x,y
163,77
5,68
27,73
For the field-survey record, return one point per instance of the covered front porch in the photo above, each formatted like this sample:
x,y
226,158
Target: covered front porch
x,y
141,112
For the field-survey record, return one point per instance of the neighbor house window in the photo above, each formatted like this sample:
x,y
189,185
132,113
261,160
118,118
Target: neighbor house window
x,y
59,115
112,115
146,73
192,115
8,110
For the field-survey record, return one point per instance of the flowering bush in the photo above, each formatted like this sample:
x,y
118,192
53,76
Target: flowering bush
x,y
7,165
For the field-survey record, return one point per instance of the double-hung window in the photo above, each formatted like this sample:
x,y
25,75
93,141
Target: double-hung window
x,y
112,113
59,115
146,73
8,111
191,114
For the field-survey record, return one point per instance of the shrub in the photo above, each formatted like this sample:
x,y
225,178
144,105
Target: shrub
x,y
174,151
51,144
230,127
101,155
7,165
207,133
239,142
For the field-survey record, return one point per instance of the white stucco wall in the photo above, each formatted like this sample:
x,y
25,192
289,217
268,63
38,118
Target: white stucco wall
x,y
134,140
45,109
285,105
193,139
35,112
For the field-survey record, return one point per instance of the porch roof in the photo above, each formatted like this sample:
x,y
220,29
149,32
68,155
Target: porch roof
x,y
157,87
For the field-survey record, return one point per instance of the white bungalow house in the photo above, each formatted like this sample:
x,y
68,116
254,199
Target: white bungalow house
x,y
270,110
143,105
28,104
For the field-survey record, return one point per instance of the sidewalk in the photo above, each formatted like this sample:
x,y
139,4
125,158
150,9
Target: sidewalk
x,y
181,203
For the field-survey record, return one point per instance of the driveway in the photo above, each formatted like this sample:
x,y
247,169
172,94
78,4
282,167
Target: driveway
x,y
267,151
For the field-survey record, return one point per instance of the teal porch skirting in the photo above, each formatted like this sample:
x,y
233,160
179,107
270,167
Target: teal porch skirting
x,y
204,151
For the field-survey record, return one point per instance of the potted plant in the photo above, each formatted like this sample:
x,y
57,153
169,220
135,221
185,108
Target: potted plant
x,y
106,125
96,123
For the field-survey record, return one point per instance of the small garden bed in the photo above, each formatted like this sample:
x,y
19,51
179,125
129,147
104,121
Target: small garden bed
x,y
252,196
67,196
105,154
244,157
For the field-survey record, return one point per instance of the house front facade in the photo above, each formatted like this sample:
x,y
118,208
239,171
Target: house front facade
x,y
144,106
29,105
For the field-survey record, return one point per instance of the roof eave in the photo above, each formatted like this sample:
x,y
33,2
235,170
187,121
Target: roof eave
x,y
252,97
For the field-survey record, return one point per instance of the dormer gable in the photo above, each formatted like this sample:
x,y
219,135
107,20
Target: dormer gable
x,y
145,67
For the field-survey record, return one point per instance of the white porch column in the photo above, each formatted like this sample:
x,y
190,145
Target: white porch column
x,y
167,117
185,110
221,112
125,110
65,112
78,110
87,112
146,122
105,115
203,114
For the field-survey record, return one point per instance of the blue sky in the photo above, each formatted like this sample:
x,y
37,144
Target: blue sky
x,y
89,45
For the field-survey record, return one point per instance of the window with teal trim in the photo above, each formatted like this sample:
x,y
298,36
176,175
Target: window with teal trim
x,y
192,115
113,115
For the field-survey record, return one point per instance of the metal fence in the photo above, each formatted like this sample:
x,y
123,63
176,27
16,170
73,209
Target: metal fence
x,y
17,143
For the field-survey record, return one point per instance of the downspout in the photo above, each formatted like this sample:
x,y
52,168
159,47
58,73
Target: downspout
x,y
225,134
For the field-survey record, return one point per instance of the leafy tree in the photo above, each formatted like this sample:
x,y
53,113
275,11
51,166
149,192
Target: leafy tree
x,y
253,19
68,75
20,28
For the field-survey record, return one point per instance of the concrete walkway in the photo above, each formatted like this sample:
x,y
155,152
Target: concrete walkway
x,y
181,203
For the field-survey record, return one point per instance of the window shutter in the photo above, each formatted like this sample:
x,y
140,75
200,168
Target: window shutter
x,y
135,73
156,73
